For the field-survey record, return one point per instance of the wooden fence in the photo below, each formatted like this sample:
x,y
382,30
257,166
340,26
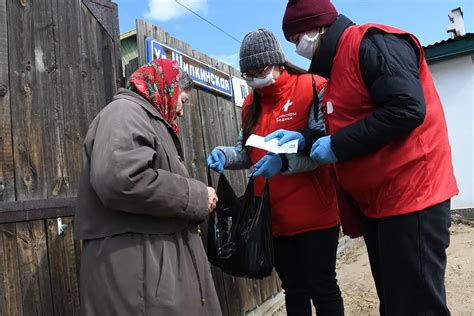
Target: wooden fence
x,y
59,65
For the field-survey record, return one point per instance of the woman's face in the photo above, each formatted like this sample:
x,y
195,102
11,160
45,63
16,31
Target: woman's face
x,y
183,98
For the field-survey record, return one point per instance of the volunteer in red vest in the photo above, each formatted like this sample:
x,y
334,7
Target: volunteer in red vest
x,y
389,145
305,220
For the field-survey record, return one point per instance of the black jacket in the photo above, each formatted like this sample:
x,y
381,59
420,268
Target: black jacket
x,y
389,67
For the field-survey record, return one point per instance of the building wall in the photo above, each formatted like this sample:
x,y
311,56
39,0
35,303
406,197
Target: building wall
x,y
128,42
454,79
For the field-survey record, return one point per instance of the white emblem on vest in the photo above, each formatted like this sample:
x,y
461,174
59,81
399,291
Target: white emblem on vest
x,y
329,107
287,105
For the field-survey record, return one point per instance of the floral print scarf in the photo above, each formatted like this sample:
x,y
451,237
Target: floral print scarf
x,y
157,82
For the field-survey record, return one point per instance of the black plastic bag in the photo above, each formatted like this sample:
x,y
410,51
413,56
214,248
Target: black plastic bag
x,y
239,239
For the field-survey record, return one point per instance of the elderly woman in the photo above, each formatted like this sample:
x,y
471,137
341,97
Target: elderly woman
x,y
138,209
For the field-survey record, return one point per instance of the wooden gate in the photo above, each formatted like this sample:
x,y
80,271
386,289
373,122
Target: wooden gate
x,y
59,65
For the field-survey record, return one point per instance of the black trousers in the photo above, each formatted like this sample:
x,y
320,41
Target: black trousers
x,y
407,256
306,265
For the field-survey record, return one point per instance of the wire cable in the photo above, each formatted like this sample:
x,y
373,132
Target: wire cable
x,y
203,18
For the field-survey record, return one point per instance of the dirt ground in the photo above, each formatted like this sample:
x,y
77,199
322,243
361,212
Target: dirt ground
x,y
360,297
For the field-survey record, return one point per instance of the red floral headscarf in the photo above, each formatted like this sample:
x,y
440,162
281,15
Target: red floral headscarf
x,y
157,82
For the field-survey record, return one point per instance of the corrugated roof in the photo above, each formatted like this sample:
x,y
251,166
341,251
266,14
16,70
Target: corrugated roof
x,y
128,34
450,48
450,40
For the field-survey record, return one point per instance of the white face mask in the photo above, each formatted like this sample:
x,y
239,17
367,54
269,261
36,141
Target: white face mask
x,y
257,83
307,46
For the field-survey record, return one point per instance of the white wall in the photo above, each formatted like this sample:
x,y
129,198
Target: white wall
x,y
454,80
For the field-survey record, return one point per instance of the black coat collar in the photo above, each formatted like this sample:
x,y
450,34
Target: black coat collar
x,y
321,63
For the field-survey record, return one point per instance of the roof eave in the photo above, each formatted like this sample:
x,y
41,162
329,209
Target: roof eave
x,y
449,49
128,34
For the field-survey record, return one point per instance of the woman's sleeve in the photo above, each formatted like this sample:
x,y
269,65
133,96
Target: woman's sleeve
x,y
236,156
122,175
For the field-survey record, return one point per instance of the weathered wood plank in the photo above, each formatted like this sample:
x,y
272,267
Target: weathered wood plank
x,y
81,98
209,108
7,181
10,288
70,91
103,49
141,33
130,68
77,257
109,62
64,282
268,286
101,11
47,48
228,127
49,82
238,119
238,110
29,70
120,80
91,66
36,111
191,135
145,29
250,293
192,140
34,268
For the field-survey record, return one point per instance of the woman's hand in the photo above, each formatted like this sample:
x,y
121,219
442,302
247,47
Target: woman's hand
x,y
269,166
285,136
216,160
321,151
212,199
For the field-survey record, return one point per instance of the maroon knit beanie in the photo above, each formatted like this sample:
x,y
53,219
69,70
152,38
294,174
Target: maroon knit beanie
x,y
305,15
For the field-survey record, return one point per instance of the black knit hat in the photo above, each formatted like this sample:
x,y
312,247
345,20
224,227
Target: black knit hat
x,y
260,49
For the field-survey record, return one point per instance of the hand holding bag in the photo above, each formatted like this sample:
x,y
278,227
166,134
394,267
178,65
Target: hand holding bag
x,y
240,238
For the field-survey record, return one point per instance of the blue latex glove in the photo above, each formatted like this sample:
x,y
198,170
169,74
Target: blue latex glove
x,y
285,136
321,151
269,166
216,160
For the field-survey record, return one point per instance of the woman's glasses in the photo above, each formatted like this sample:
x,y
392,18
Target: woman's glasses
x,y
259,73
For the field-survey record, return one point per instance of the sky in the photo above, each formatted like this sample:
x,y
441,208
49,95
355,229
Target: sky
x,y
427,19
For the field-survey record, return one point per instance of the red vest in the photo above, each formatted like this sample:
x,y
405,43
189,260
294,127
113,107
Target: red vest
x,y
406,175
303,201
